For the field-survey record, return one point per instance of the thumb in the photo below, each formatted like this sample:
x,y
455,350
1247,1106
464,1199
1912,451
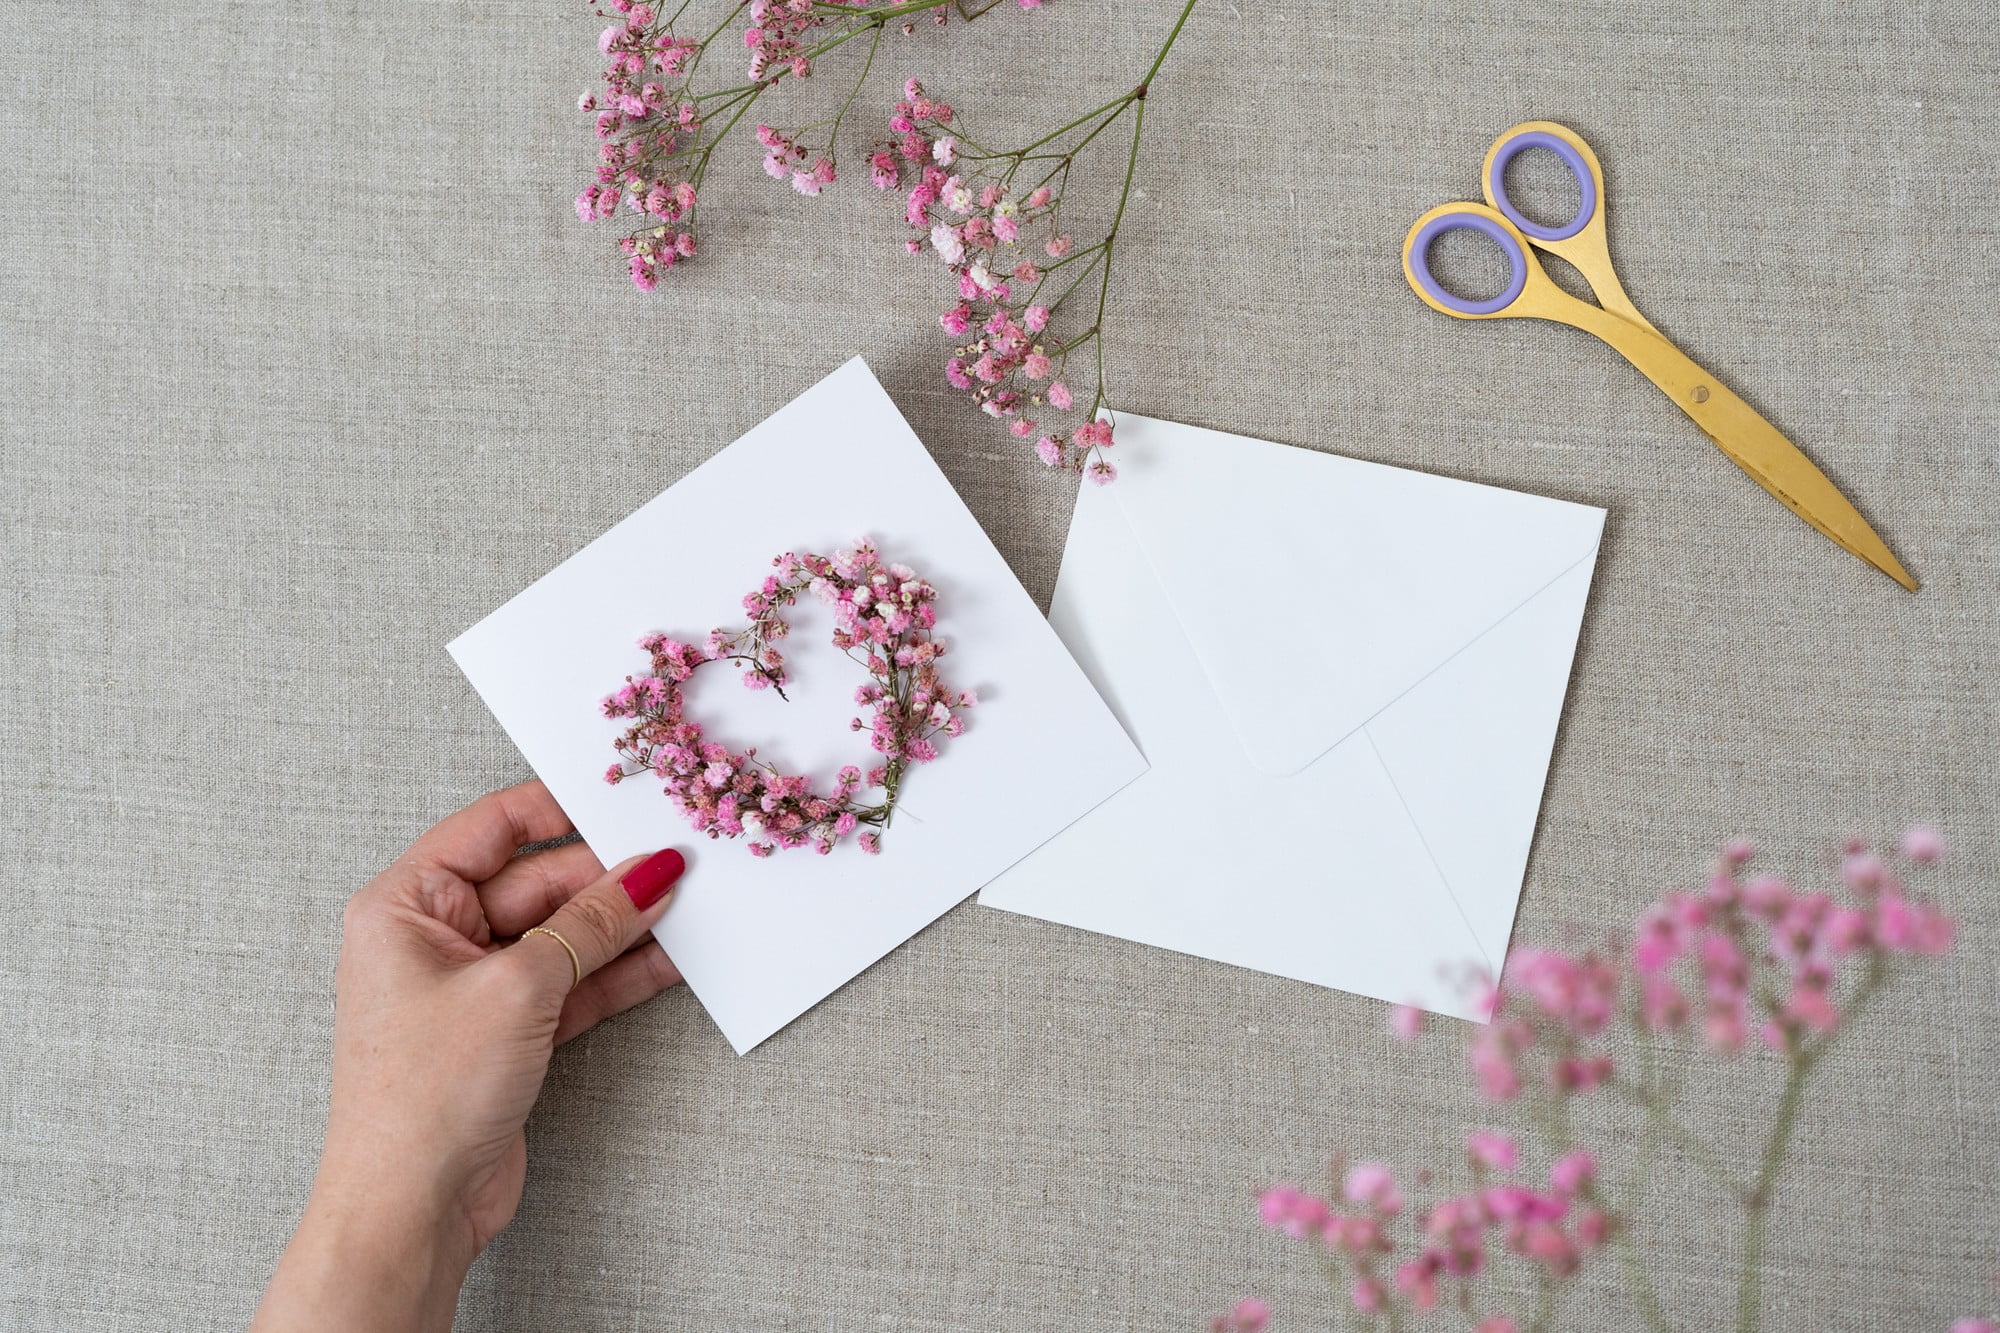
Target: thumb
x,y
602,921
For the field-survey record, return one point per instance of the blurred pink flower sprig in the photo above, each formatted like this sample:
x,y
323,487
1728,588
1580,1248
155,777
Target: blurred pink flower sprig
x,y
993,217
884,616
662,111
1747,963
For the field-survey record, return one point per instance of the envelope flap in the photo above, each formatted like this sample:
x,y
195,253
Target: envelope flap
x,y
1316,589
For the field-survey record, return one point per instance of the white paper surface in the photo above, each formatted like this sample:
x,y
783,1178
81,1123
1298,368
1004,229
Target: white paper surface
x,y
762,941
1346,679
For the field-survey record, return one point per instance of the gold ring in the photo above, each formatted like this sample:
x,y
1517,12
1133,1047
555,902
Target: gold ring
x,y
575,966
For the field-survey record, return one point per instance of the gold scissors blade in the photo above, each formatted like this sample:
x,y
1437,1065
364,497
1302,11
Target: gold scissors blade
x,y
1778,465
1741,432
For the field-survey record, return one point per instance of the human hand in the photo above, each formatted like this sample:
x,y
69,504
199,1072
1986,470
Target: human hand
x,y
442,1035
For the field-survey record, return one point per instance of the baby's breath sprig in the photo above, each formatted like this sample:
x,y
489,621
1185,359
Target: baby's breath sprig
x,y
994,218
660,115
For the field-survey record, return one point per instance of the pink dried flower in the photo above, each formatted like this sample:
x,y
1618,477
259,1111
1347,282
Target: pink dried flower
x,y
1406,1021
883,615
1594,1227
1572,1172
1371,1185
1492,1150
948,244
1548,1245
1863,870
1417,1281
1923,844
1249,1315
1495,1050
1293,1211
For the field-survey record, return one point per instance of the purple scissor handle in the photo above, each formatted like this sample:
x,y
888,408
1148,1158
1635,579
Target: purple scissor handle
x,y
1515,141
1466,217
1580,241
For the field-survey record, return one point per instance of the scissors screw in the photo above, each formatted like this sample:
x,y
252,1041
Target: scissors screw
x,y
1700,394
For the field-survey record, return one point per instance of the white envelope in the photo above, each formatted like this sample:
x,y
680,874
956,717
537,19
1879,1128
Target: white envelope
x,y
1346,678
761,942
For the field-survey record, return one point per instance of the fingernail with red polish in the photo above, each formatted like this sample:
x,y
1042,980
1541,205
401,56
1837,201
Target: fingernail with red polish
x,y
648,882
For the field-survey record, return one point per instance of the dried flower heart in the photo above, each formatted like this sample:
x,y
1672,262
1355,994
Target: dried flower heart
x,y
883,618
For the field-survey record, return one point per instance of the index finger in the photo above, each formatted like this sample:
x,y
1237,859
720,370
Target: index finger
x,y
477,841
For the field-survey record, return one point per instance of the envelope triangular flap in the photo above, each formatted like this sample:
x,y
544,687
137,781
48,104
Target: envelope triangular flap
x,y
1316,589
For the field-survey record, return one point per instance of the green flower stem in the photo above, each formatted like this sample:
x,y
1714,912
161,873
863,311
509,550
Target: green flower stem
x,y
701,47
1115,104
1172,36
1682,1137
1336,1279
873,21
1137,96
833,135
1072,257
1643,1295
1055,306
708,150
735,101
1749,1287
1633,1196
1545,1307
1627,1249
1750,1284
883,15
1111,237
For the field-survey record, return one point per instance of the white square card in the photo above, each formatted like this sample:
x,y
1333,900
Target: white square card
x,y
762,941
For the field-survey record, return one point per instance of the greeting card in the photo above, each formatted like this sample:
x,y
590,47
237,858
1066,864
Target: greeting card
x,y
824,561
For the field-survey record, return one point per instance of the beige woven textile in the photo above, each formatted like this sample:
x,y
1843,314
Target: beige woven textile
x,y
305,364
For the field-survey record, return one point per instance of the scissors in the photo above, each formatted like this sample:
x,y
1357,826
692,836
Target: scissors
x,y
1751,442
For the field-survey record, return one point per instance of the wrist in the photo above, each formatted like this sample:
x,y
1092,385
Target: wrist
x,y
386,1202
376,1248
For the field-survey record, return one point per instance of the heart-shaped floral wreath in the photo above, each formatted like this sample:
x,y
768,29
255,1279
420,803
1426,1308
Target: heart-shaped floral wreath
x,y
883,617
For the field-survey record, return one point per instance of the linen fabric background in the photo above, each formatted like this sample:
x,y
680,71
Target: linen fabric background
x,y
305,364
